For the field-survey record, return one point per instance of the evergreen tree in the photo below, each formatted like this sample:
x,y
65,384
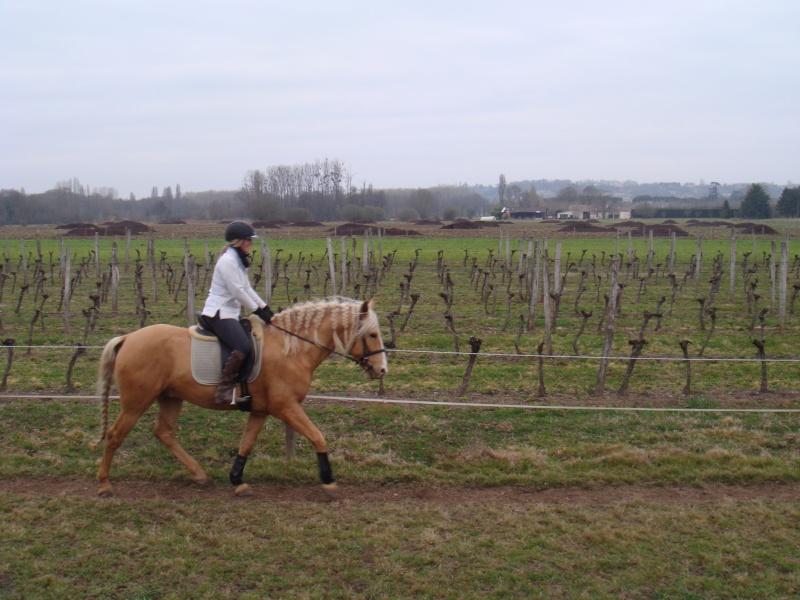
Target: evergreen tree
x,y
756,203
789,203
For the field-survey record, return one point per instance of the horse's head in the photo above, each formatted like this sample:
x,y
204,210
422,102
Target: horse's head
x,y
367,349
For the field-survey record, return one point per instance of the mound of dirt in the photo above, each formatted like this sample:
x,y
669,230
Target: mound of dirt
x,y
108,228
669,222
427,222
361,229
175,222
660,231
465,224
581,227
119,227
755,228
401,232
77,226
306,224
268,224
626,224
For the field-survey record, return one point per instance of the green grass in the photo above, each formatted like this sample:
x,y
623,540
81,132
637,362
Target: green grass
x,y
120,549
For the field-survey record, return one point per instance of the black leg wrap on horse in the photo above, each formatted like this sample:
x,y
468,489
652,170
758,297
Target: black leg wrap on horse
x,y
237,470
325,472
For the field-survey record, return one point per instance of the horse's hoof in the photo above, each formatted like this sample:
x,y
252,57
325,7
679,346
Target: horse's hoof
x,y
242,490
331,489
105,493
204,482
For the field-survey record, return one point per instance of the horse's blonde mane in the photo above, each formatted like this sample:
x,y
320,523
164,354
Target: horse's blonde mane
x,y
306,319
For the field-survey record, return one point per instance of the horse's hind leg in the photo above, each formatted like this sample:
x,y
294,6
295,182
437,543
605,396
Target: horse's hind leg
x,y
128,417
169,409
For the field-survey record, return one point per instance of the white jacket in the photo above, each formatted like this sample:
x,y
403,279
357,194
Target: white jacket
x,y
230,288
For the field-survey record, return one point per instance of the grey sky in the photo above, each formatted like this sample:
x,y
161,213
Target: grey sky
x,y
135,94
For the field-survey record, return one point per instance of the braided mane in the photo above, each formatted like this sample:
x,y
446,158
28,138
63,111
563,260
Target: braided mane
x,y
306,319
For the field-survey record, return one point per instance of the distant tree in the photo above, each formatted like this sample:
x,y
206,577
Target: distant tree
x,y
756,203
298,214
407,214
569,194
132,197
177,191
515,196
154,193
265,208
726,209
167,195
449,213
424,203
501,189
789,203
534,200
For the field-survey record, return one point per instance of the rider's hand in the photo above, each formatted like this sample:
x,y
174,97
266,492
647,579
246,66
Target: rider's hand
x,y
264,313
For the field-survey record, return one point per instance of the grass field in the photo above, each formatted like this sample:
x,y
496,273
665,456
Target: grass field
x,y
436,501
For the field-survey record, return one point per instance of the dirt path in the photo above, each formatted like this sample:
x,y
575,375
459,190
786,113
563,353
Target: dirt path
x,y
442,495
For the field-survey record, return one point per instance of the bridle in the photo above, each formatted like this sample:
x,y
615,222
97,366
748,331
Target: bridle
x,y
362,362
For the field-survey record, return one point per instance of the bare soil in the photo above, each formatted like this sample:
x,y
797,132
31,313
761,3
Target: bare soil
x,y
424,494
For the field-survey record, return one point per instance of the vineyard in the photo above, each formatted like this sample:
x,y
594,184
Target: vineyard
x,y
655,320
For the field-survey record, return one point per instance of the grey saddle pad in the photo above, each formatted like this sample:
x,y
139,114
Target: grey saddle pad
x,y
207,360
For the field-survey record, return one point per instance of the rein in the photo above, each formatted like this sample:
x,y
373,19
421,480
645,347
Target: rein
x,y
361,362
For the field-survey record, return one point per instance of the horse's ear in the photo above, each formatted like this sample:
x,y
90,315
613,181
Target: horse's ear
x,y
367,306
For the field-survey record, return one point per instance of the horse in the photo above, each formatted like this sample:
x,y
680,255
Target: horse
x,y
154,364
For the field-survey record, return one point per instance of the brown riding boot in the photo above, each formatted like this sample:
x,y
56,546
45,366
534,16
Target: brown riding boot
x,y
226,384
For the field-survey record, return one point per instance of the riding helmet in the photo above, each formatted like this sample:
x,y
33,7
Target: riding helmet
x,y
239,230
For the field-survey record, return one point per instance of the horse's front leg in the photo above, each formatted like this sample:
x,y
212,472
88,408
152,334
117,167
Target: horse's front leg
x,y
295,417
251,430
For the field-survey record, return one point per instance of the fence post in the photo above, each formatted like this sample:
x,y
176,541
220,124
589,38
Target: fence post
x,y
67,287
344,265
609,336
783,283
697,268
548,337
534,286
733,264
331,266
97,253
773,261
266,256
190,271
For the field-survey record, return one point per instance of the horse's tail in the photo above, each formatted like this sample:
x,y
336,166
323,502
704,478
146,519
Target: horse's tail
x,y
105,379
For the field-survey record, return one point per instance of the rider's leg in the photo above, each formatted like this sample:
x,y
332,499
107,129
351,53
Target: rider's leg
x,y
231,333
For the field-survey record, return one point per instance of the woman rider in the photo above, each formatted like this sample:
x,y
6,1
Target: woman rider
x,y
230,291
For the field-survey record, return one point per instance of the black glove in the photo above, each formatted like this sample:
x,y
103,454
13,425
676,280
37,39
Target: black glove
x,y
264,313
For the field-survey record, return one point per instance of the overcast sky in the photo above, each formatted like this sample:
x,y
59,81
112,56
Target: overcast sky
x,y
135,94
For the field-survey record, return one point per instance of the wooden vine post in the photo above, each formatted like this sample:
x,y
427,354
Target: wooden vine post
x,y
783,284
611,313
331,267
67,287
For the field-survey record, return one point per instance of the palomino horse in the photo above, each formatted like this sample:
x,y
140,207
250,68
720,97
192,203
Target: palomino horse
x,y
153,364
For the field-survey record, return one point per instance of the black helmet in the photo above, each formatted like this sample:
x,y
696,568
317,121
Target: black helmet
x,y
239,230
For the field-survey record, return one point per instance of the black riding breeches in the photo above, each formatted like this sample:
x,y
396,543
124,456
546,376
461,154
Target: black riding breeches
x,y
231,333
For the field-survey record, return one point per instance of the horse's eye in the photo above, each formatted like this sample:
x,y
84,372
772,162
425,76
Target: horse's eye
x,y
373,335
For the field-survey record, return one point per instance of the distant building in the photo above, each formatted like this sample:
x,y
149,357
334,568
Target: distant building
x,y
586,212
521,213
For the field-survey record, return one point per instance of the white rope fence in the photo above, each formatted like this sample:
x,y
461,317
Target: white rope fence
x,y
463,404
505,355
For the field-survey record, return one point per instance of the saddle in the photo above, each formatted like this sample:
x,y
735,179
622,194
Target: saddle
x,y
209,354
